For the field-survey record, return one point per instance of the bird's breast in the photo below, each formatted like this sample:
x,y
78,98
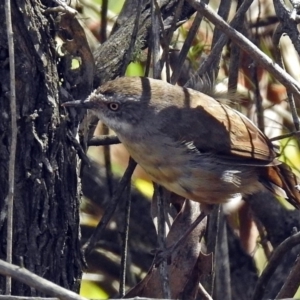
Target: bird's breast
x,y
161,162
191,175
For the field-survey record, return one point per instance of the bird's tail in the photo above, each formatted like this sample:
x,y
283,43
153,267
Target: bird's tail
x,y
281,181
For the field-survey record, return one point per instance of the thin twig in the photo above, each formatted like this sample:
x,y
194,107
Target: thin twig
x,y
161,238
287,17
257,97
107,163
129,53
37,282
103,27
291,284
162,255
155,40
287,135
62,8
127,59
104,140
174,22
222,265
265,243
223,12
6,297
165,45
276,40
82,155
213,240
255,80
274,261
203,293
166,38
248,47
186,46
89,245
271,20
45,298
125,241
148,62
9,201
161,230
41,284
234,64
278,58
211,60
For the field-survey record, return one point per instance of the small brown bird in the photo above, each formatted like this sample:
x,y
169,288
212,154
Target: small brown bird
x,y
190,143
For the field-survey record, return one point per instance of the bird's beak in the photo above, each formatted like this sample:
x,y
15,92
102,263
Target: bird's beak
x,y
79,104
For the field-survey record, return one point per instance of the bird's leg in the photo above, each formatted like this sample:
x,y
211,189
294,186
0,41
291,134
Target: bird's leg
x,y
166,253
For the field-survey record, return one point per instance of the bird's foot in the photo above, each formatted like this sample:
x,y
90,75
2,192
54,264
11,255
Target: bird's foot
x,y
166,254
163,255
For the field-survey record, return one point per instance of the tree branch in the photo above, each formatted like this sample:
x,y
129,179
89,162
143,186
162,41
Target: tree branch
x,y
9,201
104,140
89,245
281,250
37,282
248,47
291,284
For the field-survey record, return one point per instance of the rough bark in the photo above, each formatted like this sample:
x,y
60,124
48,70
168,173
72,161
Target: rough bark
x,y
109,57
46,207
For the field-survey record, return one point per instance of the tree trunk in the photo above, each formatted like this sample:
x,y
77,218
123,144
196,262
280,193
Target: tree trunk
x,y
46,208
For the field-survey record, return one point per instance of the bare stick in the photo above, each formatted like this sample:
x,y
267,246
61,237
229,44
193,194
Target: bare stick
x,y
223,12
155,39
166,38
103,27
159,198
46,298
235,54
212,60
186,46
62,8
107,162
89,245
204,294
130,51
248,47
103,140
125,235
274,261
7,297
287,135
9,201
35,281
291,284
158,195
278,58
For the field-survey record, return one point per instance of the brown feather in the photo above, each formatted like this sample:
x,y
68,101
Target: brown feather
x,y
214,127
283,177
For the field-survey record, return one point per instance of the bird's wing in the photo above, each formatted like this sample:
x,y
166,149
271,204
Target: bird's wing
x,y
216,128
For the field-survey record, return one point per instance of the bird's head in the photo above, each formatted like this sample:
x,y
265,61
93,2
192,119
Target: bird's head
x,y
121,104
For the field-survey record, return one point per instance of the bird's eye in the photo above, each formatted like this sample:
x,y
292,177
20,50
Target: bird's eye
x,y
113,106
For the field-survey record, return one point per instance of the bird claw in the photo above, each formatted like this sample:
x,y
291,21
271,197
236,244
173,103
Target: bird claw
x,y
163,255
